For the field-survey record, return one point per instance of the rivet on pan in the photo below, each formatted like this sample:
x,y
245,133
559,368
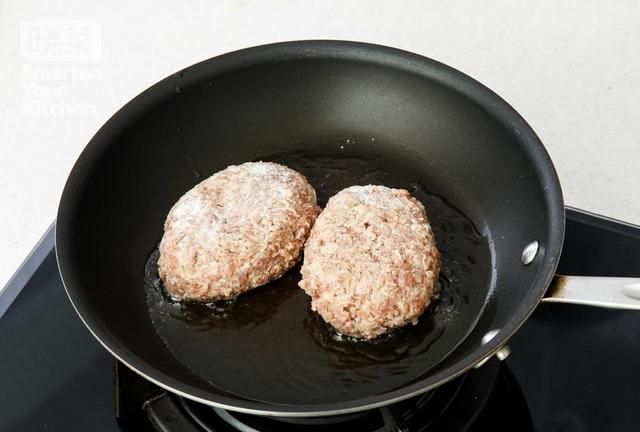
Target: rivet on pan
x,y
490,335
529,253
503,353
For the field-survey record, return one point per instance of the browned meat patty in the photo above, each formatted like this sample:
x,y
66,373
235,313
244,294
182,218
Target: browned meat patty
x,y
371,262
236,230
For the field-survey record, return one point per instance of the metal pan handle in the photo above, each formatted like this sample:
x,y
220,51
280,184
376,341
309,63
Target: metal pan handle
x,y
608,292
599,249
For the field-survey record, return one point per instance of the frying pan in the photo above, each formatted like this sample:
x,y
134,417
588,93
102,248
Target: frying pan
x,y
342,113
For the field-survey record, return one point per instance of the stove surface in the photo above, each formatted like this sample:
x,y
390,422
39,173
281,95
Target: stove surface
x,y
572,368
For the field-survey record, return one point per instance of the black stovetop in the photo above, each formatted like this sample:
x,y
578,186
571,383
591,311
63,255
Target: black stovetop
x,y
572,368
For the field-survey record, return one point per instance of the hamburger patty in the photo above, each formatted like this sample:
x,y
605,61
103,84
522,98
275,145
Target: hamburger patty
x,y
371,263
239,229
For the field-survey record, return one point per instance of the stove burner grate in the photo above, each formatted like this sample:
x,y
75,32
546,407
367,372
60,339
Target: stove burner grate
x,y
458,405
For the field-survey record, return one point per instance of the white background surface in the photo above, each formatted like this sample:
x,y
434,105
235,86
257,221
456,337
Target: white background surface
x,y
571,68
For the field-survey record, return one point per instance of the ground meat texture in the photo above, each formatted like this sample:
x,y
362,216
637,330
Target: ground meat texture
x,y
239,229
371,263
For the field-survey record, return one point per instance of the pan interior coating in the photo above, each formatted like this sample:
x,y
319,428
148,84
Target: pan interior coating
x,y
269,346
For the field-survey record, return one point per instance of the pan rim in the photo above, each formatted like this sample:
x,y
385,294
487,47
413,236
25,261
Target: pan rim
x,y
353,51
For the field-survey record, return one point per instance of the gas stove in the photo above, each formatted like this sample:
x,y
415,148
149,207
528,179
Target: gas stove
x,y
571,368
468,403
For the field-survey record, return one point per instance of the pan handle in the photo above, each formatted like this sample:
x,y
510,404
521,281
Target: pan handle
x,y
608,292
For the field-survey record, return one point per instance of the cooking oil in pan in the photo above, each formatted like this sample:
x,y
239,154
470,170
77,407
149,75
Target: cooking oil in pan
x,y
268,345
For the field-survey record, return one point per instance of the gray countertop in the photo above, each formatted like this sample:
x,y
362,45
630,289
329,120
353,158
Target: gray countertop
x,y
572,69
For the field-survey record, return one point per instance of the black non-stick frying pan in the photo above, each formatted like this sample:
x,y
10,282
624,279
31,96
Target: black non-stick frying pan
x,y
342,113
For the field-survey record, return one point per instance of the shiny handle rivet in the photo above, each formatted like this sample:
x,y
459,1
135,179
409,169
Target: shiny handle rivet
x,y
529,253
